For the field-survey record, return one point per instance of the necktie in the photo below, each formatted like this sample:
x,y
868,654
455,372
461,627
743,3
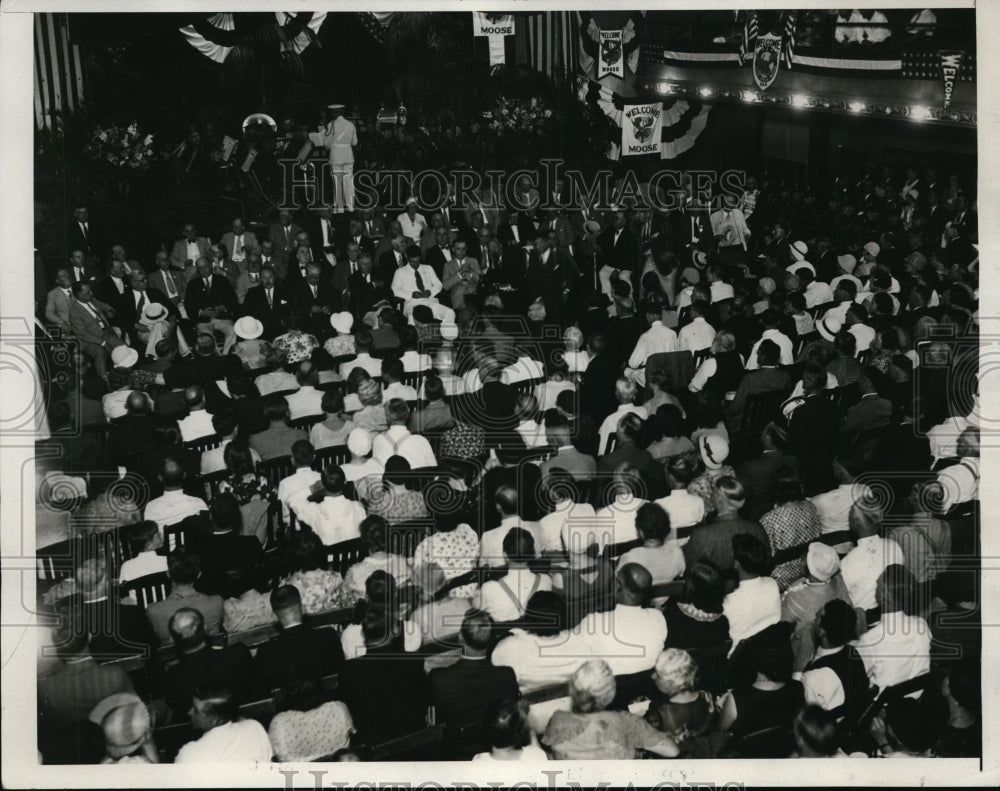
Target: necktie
x,y
419,279
171,288
120,285
313,289
326,233
141,303
239,246
399,260
270,298
368,227
83,225
486,260
79,273
208,283
287,239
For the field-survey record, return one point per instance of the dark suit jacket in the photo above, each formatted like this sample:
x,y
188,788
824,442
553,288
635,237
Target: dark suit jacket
x,y
549,280
435,259
278,262
761,380
623,334
386,694
386,266
92,245
282,242
158,281
255,304
366,243
757,475
364,295
178,255
299,652
130,316
301,299
463,692
227,562
122,303
597,388
341,276
130,434
197,298
869,413
231,665
623,254
116,630
814,437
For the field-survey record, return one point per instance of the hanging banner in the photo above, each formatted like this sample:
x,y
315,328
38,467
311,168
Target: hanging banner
x,y
610,59
641,129
766,58
496,27
951,62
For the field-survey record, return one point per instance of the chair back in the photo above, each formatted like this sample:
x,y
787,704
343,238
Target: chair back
x,y
306,423
277,468
403,537
211,482
55,562
333,456
678,367
341,556
424,745
201,444
149,589
761,409
701,355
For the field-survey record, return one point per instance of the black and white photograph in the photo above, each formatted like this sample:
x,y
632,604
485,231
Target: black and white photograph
x,y
528,394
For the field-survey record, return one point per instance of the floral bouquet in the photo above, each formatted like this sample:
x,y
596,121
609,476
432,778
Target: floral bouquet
x,y
121,148
523,116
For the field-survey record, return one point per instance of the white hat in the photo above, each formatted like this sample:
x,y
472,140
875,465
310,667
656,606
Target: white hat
x,y
822,561
799,250
248,328
124,357
699,258
411,200
154,313
829,326
847,262
873,249
714,450
449,332
359,442
342,322
799,265
335,107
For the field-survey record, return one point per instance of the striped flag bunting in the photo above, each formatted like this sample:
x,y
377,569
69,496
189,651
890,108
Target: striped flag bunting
x,y
58,70
553,42
749,39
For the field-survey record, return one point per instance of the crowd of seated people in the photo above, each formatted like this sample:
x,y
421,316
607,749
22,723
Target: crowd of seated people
x,y
643,493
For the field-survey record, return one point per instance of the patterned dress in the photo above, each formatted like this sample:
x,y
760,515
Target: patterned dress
x,y
786,526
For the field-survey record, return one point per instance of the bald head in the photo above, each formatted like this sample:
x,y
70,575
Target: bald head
x,y
194,397
136,403
172,474
632,585
506,500
187,628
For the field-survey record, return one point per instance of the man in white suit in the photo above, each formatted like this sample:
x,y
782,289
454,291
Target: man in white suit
x,y
58,301
340,138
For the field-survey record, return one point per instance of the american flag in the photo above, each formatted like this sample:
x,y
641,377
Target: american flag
x,y
749,36
58,70
788,42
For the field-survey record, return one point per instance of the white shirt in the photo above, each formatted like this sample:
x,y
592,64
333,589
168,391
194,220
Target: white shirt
x,y
412,229
491,542
142,564
398,441
835,506
620,518
818,293
540,661
960,482
398,390
523,370
299,481
863,334
196,425
864,564
335,519
573,525
684,509
943,438
240,742
306,402
172,507
404,282
657,339
192,251
610,424
548,392
895,649
665,563
214,460
532,432
363,360
239,248
822,685
754,605
363,475
113,404
577,361
415,361
628,638
779,338
720,291
696,336
495,599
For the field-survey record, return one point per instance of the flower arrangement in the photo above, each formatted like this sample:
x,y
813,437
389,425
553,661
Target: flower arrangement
x,y
121,148
524,116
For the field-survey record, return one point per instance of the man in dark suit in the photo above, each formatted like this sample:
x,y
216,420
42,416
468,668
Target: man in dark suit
x,y
80,269
347,265
115,292
299,651
767,378
356,233
82,235
551,276
267,302
364,287
133,433
461,693
283,233
619,249
517,230
314,298
438,254
597,387
274,258
203,664
140,295
758,474
392,259
228,559
211,302
323,235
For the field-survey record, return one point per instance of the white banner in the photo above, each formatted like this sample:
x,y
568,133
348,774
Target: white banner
x,y
610,58
496,27
641,129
